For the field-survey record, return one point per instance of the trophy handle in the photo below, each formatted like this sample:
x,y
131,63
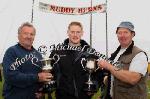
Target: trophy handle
x,y
82,60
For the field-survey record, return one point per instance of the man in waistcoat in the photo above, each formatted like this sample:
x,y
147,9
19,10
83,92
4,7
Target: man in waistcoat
x,y
128,81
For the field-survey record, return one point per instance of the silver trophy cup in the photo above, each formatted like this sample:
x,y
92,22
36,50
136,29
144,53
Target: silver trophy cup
x,y
90,66
47,66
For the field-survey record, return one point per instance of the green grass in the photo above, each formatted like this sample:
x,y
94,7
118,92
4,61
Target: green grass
x,y
0,90
148,84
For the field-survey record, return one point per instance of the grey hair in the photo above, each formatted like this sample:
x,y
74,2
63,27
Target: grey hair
x,y
26,24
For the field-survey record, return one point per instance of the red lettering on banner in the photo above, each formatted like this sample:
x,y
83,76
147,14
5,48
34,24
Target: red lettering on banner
x,y
52,7
81,10
72,10
100,7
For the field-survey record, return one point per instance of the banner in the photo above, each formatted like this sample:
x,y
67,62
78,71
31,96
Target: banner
x,y
71,10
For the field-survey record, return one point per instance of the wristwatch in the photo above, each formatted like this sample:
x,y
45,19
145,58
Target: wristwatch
x,y
117,69
118,65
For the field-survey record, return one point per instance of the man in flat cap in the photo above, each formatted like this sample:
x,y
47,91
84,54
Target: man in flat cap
x,y
129,80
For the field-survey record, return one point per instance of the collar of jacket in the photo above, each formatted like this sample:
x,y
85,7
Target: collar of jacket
x,y
128,51
83,43
32,48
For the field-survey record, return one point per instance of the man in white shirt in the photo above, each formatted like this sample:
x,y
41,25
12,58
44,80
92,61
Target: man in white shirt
x,y
129,80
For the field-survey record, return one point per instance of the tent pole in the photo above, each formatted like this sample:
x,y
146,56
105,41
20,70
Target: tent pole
x,y
91,26
32,15
106,32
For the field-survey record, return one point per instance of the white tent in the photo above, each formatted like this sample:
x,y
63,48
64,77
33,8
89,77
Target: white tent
x,y
51,27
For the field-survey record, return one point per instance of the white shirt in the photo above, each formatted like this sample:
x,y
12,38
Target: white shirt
x,y
139,64
122,50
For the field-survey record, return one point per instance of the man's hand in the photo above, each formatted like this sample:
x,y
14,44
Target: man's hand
x,y
39,95
103,64
90,93
45,76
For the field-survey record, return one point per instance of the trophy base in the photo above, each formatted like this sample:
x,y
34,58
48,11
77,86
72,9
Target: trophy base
x,y
90,87
49,87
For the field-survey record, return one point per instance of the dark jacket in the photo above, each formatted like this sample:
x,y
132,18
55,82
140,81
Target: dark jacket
x,y
72,76
20,73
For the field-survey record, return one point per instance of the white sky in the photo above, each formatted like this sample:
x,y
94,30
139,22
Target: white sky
x,y
51,27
